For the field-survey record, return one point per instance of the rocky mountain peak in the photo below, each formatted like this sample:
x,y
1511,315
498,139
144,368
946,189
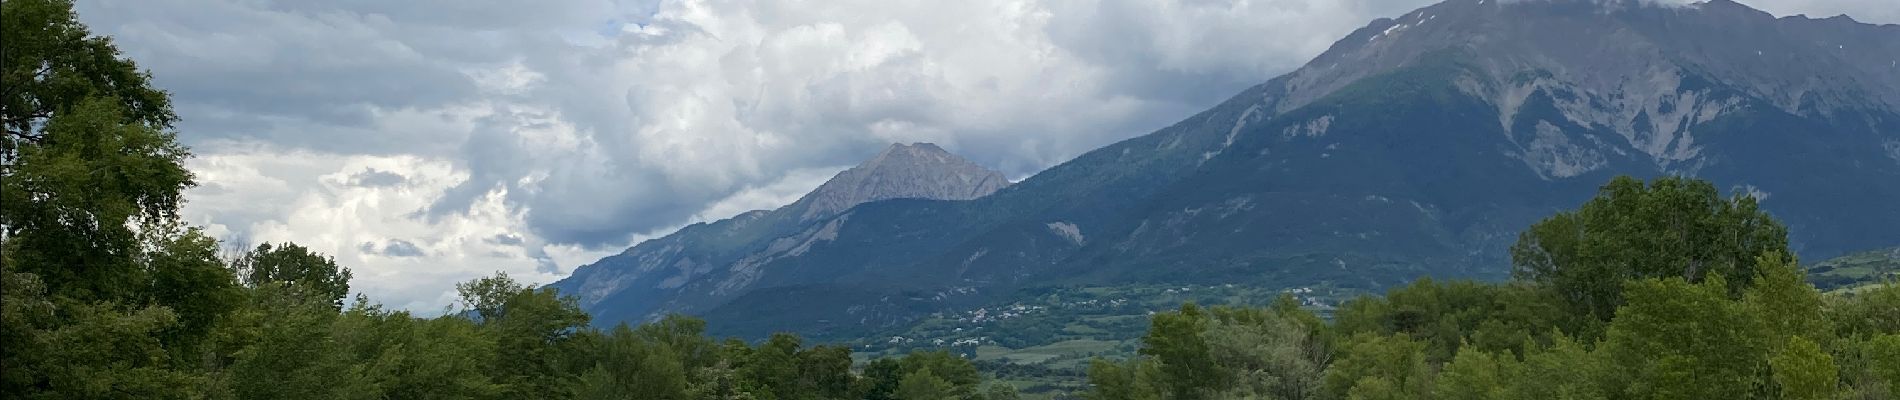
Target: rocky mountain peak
x,y
1646,72
903,171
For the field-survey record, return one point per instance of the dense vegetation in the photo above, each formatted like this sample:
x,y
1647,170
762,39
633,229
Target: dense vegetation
x,y
1042,340
1663,290
107,295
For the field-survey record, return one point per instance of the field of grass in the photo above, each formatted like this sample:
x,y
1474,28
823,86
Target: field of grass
x,y
1857,271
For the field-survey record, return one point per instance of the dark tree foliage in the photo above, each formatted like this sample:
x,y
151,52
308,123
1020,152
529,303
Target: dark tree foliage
x,y
52,65
302,272
69,199
1176,344
86,151
1672,227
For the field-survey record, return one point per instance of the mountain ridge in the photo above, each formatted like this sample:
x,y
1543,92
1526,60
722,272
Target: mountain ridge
x,y
640,278
918,170
1399,152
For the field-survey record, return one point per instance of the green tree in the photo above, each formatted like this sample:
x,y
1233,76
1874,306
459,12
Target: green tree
x,y
1449,315
1884,362
57,348
1474,375
718,382
923,385
1380,388
86,152
1000,391
405,357
68,200
773,367
1175,342
52,63
599,384
825,372
1266,353
625,366
1388,365
880,379
962,375
305,273
685,336
1680,340
1671,227
532,329
188,278
1784,301
1867,313
1135,379
488,296
104,297
1803,371
286,350
1563,370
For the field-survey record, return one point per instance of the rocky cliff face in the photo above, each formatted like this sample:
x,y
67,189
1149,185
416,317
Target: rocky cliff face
x,y
1647,73
705,262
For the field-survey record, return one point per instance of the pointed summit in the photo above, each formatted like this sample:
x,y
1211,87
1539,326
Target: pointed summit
x,y
902,171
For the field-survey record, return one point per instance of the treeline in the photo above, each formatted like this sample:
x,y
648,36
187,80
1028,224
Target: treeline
x,y
106,294
275,327
1663,290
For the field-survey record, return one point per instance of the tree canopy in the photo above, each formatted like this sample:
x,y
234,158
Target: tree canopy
x,y
1659,290
1671,227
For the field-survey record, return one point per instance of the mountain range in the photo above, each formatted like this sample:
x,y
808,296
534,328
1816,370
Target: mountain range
x,y
1416,145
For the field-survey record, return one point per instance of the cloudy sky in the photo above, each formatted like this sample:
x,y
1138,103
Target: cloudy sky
x,y
427,142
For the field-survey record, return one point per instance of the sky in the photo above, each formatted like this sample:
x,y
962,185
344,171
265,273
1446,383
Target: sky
x,y
428,142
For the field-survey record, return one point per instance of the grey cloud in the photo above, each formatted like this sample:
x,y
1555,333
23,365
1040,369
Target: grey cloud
x,y
652,125
505,240
376,178
401,248
468,14
243,70
393,248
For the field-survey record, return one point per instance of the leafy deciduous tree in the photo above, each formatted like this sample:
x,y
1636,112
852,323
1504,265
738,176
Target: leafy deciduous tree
x,y
1671,227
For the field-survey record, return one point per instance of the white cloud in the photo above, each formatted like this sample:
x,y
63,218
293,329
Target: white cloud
x,y
795,184
314,199
576,127
1869,11
705,99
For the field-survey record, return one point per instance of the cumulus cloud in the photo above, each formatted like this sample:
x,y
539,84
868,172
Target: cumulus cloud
x,y
310,198
530,137
704,101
